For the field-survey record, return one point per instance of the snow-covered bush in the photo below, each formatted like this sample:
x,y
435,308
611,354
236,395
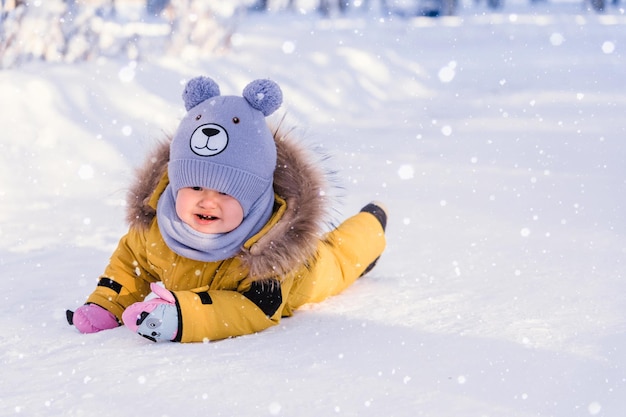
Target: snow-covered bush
x,y
71,30
197,28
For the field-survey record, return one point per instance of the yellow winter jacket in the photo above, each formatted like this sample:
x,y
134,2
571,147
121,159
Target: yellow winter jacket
x,y
290,262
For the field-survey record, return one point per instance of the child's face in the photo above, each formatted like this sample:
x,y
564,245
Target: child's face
x,y
208,211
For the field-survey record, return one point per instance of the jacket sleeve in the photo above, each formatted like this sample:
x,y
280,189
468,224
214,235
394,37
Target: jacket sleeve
x,y
126,278
220,314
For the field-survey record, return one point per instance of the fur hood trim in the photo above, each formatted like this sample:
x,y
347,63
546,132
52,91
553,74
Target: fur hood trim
x,y
299,179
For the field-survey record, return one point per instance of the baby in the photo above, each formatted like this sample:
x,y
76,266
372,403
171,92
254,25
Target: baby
x,y
226,229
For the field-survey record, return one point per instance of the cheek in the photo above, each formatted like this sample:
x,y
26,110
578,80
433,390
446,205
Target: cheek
x,y
236,210
178,209
181,204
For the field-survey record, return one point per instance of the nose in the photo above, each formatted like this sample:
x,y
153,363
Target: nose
x,y
209,198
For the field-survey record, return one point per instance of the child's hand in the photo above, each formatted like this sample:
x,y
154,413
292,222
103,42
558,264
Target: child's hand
x,y
155,318
91,318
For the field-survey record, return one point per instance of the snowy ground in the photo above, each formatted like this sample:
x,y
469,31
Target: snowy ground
x,y
497,142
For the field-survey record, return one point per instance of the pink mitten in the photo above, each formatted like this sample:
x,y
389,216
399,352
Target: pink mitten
x,y
135,313
91,318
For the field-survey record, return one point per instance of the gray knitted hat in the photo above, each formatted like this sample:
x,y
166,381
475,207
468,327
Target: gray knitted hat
x,y
224,143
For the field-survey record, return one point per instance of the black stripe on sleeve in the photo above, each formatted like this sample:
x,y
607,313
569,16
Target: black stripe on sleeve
x,y
109,283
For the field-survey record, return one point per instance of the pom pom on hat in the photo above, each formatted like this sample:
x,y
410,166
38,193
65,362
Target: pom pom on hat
x,y
198,90
263,95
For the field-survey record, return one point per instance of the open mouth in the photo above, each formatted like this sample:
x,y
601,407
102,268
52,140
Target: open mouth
x,y
206,218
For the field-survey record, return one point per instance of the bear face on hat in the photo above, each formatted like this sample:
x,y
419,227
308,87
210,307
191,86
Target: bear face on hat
x,y
224,143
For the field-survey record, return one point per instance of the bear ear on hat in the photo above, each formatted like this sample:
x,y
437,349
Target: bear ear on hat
x,y
263,95
199,89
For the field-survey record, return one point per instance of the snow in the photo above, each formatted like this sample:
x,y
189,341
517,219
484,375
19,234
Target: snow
x,y
496,142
